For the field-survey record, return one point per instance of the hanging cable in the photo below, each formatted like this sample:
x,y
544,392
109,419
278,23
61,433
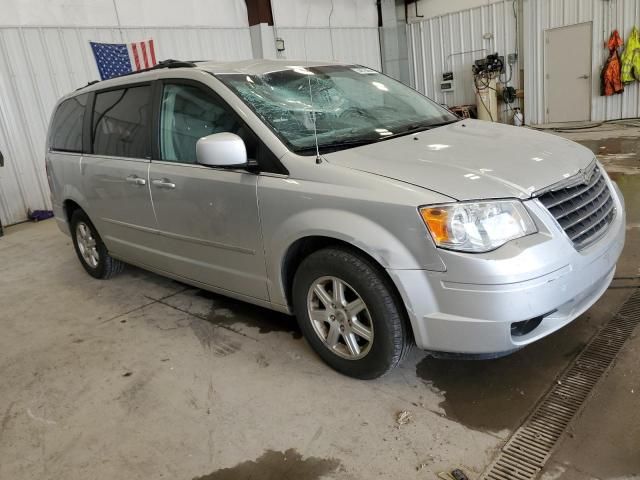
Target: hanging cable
x,y
333,55
475,81
506,82
515,15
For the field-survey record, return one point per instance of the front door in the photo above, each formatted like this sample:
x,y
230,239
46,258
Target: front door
x,y
568,87
115,174
207,216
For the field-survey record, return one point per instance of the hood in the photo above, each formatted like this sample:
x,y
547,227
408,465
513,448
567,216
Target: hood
x,y
472,159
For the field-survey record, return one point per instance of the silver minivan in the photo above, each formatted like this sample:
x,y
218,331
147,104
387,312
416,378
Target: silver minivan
x,y
340,195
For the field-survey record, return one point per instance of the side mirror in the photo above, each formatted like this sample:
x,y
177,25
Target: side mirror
x,y
222,150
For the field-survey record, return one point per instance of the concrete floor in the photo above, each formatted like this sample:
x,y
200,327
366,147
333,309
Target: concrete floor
x,y
604,443
143,377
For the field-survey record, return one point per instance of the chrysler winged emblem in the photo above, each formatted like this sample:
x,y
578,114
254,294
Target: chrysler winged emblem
x,y
587,174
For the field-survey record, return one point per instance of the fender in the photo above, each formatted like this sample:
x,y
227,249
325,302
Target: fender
x,y
69,192
381,244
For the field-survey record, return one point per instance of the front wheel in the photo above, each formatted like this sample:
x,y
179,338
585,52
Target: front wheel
x,y
349,313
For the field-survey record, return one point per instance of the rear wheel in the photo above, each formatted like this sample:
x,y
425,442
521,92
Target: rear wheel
x,y
349,313
90,248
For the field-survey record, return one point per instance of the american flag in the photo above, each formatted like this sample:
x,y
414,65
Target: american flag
x,y
115,59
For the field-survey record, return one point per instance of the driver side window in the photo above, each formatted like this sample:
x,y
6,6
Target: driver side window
x,y
189,113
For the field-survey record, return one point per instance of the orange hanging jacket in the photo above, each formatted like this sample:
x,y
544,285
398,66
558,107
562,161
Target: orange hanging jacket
x,y
611,77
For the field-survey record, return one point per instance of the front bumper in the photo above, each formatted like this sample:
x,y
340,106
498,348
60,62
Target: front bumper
x,y
471,307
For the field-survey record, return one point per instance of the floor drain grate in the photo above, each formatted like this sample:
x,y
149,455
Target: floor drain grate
x,y
528,449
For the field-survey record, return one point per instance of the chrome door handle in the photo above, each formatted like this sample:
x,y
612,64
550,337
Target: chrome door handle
x,y
136,180
163,183
584,76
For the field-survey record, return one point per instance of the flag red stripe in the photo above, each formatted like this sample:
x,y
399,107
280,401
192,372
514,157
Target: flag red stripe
x,y
145,57
153,52
136,59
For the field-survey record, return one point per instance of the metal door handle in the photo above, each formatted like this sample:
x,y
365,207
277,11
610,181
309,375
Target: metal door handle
x,y
163,183
135,179
584,76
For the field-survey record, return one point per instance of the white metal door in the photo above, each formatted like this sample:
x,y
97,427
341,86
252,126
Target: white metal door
x,y
568,73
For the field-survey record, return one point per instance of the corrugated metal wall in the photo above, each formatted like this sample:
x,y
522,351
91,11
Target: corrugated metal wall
x,y
40,64
344,44
340,30
436,44
606,15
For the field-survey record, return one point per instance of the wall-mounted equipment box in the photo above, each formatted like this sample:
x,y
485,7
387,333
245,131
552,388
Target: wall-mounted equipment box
x,y
447,82
446,86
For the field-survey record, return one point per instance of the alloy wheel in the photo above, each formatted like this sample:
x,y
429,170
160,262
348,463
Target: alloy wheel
x,y
87,245
340,317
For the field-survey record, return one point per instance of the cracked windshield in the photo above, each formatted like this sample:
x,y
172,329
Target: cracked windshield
x,y
350,106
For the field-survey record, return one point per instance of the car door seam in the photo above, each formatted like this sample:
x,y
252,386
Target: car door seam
x,y
153,207
261,237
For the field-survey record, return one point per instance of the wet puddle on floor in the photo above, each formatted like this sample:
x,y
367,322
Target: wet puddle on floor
x,y
630,186
480,394
614,146
273,465
227,312
494,395
620,154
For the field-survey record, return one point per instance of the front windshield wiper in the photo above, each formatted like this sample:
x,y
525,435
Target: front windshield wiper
x,y
421,126
342,144
337,145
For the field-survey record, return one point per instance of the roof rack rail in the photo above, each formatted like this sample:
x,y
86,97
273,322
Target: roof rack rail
x,y
92,82
169,63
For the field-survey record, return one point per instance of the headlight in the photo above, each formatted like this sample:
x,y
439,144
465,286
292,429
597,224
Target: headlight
x,y
477,226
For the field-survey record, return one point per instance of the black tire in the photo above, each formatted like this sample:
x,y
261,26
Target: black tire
x,y
106,266
392,339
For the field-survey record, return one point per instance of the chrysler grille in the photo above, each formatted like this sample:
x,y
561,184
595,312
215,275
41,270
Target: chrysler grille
x,y
583,211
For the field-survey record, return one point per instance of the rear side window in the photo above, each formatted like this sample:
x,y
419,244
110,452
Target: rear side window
x,y
66,128
121,120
